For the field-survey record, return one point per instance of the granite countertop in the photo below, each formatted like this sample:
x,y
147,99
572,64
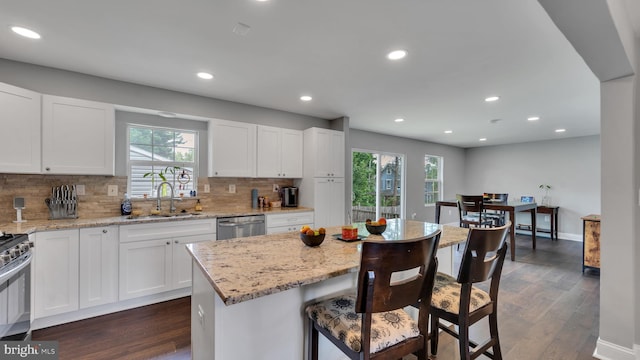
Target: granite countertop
x,y
32,226
247,268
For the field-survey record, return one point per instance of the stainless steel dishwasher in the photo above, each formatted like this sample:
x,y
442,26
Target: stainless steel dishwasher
x,y
240,226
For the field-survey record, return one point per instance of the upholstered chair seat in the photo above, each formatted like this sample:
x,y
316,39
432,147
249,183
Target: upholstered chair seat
x,y
338,315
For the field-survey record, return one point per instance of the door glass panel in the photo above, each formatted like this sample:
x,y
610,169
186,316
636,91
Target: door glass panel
x,y
377,186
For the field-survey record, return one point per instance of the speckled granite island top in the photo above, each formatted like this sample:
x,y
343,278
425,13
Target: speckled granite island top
x,y
248,268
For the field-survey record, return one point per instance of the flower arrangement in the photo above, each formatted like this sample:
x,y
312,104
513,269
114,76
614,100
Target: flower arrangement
x,y
546,199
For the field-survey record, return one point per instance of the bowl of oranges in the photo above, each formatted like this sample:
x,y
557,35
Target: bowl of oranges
x,y
311,237
376,227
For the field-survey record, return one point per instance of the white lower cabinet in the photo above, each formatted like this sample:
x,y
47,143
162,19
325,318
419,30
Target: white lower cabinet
x,y
75,269
182,259
56,269
98,266
279,223
153,257
145,268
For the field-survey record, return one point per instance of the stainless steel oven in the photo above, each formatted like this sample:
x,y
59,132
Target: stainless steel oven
x,y
15,287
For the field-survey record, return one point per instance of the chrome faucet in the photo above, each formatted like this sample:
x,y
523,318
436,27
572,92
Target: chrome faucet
x,y
158,206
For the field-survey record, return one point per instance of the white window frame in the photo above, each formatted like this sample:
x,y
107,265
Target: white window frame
x,y
439,180
403,183
163,164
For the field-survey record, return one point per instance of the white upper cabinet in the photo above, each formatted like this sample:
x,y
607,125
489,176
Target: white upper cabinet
x,y
20,125
279,152
325,153
232,149
78,136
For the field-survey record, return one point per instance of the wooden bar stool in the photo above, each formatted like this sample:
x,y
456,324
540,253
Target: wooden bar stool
x,y
373,324
458,301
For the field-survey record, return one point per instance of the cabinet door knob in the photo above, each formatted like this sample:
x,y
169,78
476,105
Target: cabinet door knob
x,y
47,169
168,242
283,174
104,231
176,241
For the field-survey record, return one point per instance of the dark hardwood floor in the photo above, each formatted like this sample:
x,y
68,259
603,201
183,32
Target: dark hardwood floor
x,y
548,310
159,331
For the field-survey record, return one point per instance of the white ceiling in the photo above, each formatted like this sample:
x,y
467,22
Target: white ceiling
x,y
334,50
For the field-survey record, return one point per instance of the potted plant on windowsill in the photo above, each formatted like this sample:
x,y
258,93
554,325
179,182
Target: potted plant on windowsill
x,y
162,174
546,199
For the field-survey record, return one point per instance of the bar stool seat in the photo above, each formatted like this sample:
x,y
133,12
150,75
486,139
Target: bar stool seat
x,y
338,315
372,324
446,295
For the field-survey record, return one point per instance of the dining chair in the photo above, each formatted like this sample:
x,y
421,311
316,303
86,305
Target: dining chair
x,y
471,211
459,301
499,217
372,324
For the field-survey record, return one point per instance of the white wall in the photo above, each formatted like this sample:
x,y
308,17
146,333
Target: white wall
x,y
571,166
71,84
414,151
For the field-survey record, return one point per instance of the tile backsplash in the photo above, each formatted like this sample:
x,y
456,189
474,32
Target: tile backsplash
x,y
95,203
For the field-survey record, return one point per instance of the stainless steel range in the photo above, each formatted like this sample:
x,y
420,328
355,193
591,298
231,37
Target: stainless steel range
x,y
15,286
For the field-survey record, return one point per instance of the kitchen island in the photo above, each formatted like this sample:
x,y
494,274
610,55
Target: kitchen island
x,y
249,294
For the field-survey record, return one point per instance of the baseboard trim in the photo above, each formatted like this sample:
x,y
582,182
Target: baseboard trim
x,y
561,235
609,351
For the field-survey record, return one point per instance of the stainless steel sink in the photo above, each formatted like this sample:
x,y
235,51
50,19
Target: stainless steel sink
x,y
163,216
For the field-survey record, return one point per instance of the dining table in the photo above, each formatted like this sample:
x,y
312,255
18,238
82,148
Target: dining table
x,y
511,207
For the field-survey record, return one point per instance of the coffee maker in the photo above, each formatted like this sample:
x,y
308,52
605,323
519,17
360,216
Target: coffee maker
x,y
289,196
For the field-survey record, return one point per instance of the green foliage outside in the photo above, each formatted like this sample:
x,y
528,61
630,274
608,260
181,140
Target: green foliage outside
x,y
162,143
364,175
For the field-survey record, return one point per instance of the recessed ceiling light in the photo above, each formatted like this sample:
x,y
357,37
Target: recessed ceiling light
x,y
306,98
262,0
448,131
205,75
561,130
533,118
399,120
492,98
482,139
397,54
25,32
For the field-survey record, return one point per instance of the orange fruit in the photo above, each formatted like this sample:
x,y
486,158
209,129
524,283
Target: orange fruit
x,y
304,228
310,232
382,221
322,231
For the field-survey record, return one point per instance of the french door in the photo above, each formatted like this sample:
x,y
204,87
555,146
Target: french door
x,y
378,185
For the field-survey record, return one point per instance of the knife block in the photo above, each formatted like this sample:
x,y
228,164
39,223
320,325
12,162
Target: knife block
x,y
63,203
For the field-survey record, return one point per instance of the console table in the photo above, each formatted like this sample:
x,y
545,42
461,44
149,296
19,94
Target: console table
x,y
552,211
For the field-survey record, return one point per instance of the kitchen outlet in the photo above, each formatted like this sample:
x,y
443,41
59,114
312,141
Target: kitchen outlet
x,y
207,188
80,190
112,190
276,187
546,218
232,188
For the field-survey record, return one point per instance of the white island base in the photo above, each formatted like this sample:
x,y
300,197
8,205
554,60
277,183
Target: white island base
x,y
271,327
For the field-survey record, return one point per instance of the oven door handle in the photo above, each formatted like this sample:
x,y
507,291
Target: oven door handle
x,y
25,262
